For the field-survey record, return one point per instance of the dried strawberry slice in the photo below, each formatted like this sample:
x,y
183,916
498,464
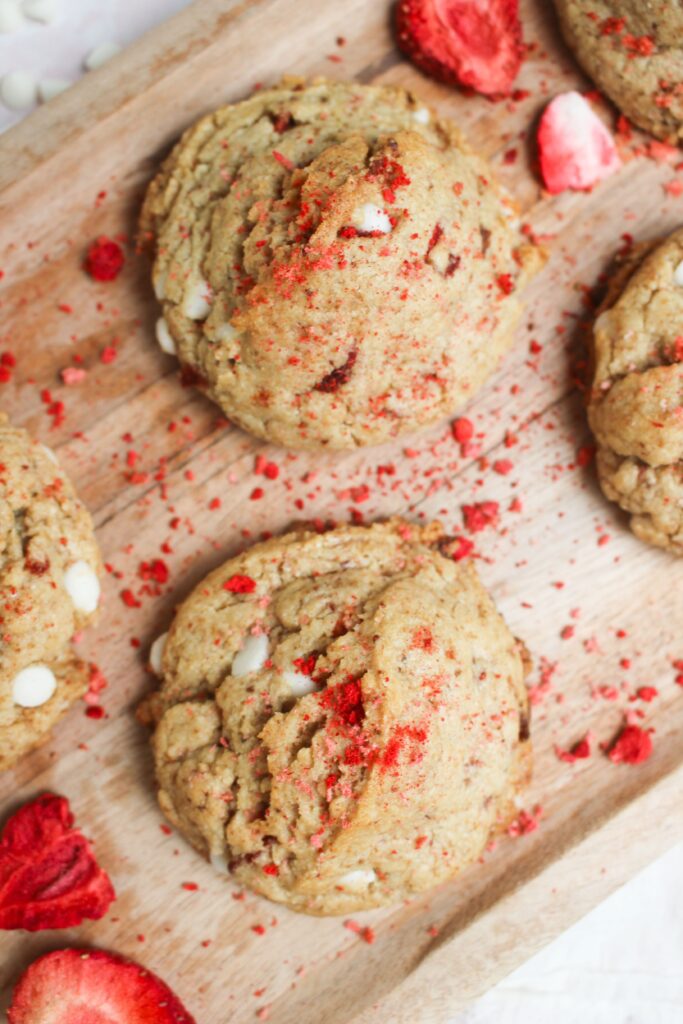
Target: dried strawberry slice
x,y
79,986
104,260
476,43
575,148
49,877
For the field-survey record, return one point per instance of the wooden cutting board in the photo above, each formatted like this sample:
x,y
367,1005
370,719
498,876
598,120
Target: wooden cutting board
x,y
561,556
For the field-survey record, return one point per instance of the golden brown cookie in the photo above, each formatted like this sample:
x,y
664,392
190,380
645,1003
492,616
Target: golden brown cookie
x,y
636,401
335,266
49,589
633,50
342,718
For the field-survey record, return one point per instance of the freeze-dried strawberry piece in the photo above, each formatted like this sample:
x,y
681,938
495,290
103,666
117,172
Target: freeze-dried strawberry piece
x,y
104,260
49,877
89,986
476,43
633,745
575,148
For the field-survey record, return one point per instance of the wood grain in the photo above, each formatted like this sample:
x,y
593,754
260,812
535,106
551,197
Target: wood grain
x,y
563,558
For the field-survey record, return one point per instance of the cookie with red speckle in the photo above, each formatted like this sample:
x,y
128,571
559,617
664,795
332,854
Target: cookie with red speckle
x,y
636,400
342,718
49,589
633,51
335,266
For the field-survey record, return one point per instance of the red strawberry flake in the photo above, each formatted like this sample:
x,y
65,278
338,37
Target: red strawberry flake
x,y
575,148
238,584
89,986
464,549
104,260
505,283
633,745
284,160
49,877
345,700
578,752
480,515
525,822
463,429
305,665
475,43
336,379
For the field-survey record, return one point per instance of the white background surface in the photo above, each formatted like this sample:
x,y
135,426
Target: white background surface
x,y
623,963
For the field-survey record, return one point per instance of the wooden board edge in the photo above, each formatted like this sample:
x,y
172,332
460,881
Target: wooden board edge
x,y
99,94
497,941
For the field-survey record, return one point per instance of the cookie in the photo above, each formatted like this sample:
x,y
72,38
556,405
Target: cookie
x,y
49,589
336,267
342,719
636,401
633,50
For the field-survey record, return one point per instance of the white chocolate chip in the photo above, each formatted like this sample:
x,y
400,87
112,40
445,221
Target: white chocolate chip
x,y
101,54
219,863
33,686
421,115
50,454
359,879
82,586
156,654
299,684
44,11
51,87
159,285
165,338
18,90
196,304
369,217
225,332
252,657
11,17
678,274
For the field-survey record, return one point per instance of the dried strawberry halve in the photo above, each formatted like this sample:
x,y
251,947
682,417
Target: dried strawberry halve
x,y
475,43
575,149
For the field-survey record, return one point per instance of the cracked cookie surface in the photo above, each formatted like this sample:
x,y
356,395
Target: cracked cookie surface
x,y
49,589
633,50
342,718
335,266
636,402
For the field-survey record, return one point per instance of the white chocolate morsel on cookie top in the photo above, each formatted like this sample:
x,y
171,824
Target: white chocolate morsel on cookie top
x,y
252,656
390,767
338,267
82,586
48,592
635,405
33,686
369,218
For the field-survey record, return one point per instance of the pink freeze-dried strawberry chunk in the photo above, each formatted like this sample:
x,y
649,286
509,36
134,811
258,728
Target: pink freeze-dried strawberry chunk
x,y
476,43
575,148
49,877
79,986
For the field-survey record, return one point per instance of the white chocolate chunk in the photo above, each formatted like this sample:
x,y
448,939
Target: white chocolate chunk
x,y
44,11
225,332
11,17
369,217
101,54
421,115
359,879
159,284
252,657
298,683
678,274
50,454
156,654
164,337
51,87
219,863
82,586
33,686
196,300
18,90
